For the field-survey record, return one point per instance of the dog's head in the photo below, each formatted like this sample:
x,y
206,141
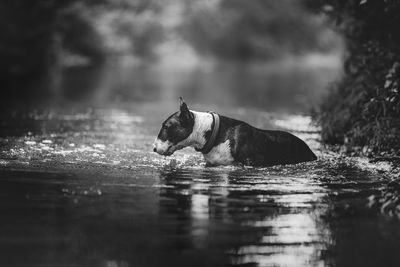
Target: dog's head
x,y
174,131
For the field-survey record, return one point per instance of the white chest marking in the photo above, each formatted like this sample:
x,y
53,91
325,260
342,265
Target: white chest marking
x,y
220,154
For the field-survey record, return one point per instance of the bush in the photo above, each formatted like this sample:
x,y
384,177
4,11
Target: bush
x,y
363,109
32,33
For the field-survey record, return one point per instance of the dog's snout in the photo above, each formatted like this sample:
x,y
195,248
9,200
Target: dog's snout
x,y
162,147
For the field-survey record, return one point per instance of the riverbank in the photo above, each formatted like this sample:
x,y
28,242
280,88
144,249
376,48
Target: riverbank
x,y
362,110
361,114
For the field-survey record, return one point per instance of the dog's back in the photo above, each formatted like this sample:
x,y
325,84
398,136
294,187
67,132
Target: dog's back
x,y
252,146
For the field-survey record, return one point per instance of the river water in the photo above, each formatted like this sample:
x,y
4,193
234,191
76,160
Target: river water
x,y
80,185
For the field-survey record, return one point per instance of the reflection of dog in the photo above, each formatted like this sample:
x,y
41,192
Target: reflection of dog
x,y
224,141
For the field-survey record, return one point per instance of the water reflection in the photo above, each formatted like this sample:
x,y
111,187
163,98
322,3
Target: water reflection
x,y
275,222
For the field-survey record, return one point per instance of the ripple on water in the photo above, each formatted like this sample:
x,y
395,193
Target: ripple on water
x,y
274,216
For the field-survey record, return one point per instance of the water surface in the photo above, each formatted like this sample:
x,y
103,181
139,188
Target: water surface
x,y
80,185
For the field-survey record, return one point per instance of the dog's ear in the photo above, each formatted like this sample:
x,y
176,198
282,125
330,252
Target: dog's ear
x,y
185,115
181,101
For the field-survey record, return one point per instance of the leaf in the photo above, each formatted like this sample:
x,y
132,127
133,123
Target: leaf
x,y
363,2
387,84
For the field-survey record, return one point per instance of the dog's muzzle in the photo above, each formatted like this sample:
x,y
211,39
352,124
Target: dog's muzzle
x,y
164,148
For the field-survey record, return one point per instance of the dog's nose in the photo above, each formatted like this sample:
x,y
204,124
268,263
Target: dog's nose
x,y
155,149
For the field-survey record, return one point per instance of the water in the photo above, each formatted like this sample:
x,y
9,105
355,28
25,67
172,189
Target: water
x,y
80,185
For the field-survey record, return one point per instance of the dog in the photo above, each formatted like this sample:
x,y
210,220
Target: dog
x,y
227,141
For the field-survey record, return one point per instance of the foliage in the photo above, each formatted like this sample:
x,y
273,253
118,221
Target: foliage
x,y
130,27
32,31
36,35
254,29
363,109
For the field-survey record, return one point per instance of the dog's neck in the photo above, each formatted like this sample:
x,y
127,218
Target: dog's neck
x,y
202,123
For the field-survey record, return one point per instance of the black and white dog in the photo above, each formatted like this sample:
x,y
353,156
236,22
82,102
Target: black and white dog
x,y
225,141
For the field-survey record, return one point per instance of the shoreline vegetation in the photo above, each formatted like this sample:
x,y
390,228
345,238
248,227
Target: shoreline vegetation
x,y
361,112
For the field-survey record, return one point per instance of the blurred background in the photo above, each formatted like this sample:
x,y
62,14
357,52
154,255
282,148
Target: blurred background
x,y
272,55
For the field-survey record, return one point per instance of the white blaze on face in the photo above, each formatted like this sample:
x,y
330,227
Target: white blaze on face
x,y
162,147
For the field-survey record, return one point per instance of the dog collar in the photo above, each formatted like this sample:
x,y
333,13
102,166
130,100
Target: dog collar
x,y
210,143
